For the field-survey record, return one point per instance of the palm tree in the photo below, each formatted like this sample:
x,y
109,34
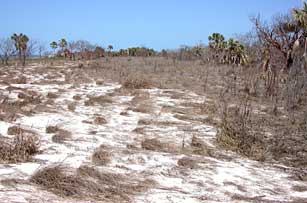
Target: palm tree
x,y
236,52
54,46
217,41
300,16
62,44
21,45
110,48
218,44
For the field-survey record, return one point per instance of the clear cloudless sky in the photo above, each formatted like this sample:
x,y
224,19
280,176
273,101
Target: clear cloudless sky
x,y
124,23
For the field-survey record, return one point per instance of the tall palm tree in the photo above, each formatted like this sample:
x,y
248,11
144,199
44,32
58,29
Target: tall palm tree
x,y
63,44
54,46
21,45
300,16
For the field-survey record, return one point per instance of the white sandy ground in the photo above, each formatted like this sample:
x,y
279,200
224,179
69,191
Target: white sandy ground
x,y
213,180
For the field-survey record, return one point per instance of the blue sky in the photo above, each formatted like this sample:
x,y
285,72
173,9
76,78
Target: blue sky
x,y
125,23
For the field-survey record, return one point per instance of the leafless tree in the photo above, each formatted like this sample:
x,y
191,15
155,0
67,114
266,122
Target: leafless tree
x,y
7,50
41,49
32,48
278,37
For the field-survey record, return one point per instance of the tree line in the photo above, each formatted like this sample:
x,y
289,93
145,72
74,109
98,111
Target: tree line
x,y
276,44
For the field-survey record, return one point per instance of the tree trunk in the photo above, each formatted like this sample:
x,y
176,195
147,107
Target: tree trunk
x,y
20,56
24,59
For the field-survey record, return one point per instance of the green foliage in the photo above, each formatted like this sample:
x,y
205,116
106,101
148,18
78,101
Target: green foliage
x,y
231,51
63,44
54,45
217,41
99,52
300,15
141,51
21,45
110,48
21,41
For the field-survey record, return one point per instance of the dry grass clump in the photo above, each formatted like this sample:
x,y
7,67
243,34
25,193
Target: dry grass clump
x,y
141,102
197,142
52,95
15,130
144,107
55,179
99,120
238,134
19,149
137,83
104,99
61,136
8,116
153,145
89,183
52,129
99,82
289,146
200,147
71,107
101,156
299,188
139,130
19,80
187,162
145,122
12,182
77,97
124,113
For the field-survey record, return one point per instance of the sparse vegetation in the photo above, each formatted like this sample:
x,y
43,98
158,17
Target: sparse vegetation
x,y
61,136
153,145
101,156
89,183
21,148
229,112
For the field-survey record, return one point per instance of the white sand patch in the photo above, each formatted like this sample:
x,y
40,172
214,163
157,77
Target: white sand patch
x,y
212,180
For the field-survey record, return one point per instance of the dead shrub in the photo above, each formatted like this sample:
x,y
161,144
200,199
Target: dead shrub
x,y
15,130
98,100
52,95
145,122
52,129
55,179
71,107
187,162
152,145
101,156
299,188
61,136
199,147
89,183
99,120
197,142
137,83
99,82
19,149
20,80
124,113
131,146
139,130
12,182
288,146
144,107
77,97
237,132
